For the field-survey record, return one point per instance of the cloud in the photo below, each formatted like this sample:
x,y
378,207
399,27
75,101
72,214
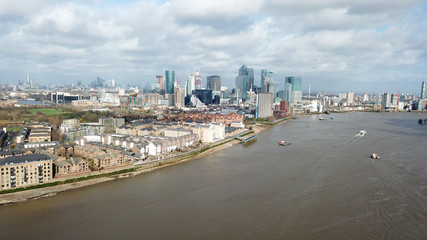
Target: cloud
x,y
332,44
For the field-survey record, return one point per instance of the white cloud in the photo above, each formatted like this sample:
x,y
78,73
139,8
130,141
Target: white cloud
x,y
325,41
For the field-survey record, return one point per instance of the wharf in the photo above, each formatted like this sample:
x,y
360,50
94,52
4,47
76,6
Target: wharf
x,y
247,139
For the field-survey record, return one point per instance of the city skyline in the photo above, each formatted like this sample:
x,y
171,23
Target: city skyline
x,y
376,46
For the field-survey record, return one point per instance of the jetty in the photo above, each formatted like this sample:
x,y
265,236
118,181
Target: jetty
x,y
247,139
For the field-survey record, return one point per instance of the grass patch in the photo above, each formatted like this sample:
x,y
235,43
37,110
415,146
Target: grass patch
x,y
48,111
13,129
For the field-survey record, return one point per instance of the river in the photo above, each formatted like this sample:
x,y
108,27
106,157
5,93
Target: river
x,y
322,186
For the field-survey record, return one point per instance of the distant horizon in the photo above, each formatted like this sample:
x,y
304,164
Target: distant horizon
x,y
304,91
342,46
305,87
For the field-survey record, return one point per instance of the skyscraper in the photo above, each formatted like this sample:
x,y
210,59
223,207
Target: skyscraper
x,y
424,90
161,81
386,101
296,88
214,83
350,98
245,71
170,81
378,98
242,87
288,92
266,78
179,97
190,85
265,105
197,79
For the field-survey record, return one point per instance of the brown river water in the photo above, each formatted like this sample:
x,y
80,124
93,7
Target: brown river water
x,y
322,186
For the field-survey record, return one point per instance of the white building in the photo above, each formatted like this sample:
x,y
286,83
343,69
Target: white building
x,y
265,105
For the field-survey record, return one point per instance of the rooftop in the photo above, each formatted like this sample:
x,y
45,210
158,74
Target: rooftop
x,y
23,159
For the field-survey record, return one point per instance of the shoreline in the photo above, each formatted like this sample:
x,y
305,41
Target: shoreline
x,y
16,197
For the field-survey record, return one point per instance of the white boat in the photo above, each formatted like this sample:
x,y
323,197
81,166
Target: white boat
x,y
362,133
322,118
284,143
375,156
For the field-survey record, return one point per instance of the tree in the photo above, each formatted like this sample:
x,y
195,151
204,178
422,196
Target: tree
x,y
57,135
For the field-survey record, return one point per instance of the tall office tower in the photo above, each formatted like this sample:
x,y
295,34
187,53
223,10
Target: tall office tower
x,y
179,97
245,71
423,90
197,79
394,100
378,99
190,85
296,88
288,92
113,83
386,102
242,87
30,82
214,83
170,81
350,97
161,81
266,78
265,105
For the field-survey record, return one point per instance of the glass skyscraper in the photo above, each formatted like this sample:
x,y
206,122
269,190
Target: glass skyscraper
x,y
296,95
266,76
214,83
170,81
424,90
296,83
245,71
242,85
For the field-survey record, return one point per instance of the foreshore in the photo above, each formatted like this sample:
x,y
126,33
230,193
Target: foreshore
x,y
20,196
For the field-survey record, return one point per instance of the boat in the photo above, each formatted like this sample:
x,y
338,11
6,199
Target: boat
x,y
332,117
375,156
284,143
362,132
322,118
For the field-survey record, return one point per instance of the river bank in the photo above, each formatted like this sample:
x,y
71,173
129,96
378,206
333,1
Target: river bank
x,y
15,197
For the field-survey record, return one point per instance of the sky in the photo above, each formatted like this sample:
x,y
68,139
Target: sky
x,y
334,45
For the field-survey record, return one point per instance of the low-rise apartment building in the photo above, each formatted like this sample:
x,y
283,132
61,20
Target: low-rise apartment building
x,y
25,170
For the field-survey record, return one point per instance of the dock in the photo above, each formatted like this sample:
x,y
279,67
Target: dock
x,y
247,139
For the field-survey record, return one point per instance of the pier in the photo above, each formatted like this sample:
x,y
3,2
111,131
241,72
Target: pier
x,y
247,139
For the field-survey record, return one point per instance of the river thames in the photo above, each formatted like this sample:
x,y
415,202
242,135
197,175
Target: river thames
x,y
322,186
